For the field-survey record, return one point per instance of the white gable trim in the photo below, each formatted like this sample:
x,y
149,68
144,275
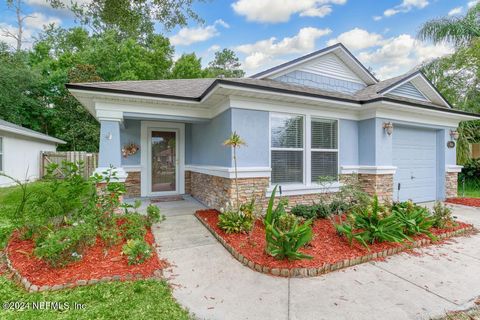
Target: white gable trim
x,y
338,49
418,77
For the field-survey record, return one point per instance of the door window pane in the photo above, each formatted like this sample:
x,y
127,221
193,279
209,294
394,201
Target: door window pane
x,y
164,161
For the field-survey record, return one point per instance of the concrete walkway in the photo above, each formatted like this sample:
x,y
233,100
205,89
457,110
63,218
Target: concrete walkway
x,y
213,285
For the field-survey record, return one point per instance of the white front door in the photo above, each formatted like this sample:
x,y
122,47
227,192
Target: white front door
x,y
162,158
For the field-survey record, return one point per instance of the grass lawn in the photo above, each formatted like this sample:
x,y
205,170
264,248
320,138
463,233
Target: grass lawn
x,y
149,299
472,189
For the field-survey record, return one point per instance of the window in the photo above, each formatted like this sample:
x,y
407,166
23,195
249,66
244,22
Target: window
x,y
299,158
1,154
287,148
324,149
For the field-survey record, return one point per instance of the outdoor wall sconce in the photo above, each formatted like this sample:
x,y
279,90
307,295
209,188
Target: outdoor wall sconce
x,y
454,134
108,136
388,127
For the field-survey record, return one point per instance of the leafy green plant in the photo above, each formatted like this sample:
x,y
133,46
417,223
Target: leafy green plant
x,y
65,245
235,222
374,223
284,234
442,216
415,219
137,251
154,215
133,227
304,211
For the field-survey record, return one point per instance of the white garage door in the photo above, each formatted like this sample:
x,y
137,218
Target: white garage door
x,y
414,155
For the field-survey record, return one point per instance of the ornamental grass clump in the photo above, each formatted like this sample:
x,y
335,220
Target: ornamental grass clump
x,y
284,233
238,221
414,218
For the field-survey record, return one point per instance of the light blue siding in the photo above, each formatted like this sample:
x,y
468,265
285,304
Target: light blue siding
x,y
408,90
348,144
252,126
366,142
188,143
441,157
320,81
110,148
207,141
131,134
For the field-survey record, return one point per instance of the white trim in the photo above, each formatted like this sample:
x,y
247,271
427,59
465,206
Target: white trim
x,y
121,174
145,149
453,168
229,173
2,147
301,189
109,115
137,168
368,169
36,135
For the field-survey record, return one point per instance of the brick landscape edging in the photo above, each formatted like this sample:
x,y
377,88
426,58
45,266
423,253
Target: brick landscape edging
x,y
157,274
326,268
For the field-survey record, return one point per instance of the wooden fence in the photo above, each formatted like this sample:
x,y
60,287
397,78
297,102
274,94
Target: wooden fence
x,y
90,160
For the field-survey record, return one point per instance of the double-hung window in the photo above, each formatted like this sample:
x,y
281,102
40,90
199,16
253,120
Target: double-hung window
x,y
324,150
287,152
1,154
304,149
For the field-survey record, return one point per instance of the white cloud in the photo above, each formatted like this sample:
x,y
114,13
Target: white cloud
x,y
377,18
268,51
400,54
46,4
37,20
406,6
455,11
271,11
187,36
470,4
214,48
357,38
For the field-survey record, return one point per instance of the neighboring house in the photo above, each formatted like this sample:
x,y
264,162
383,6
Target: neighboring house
x,y
20,152
475,150
320,115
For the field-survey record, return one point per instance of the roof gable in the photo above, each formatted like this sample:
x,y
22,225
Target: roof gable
x,y
334,61
416,86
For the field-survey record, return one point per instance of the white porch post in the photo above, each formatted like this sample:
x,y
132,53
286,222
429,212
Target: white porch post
x,y
110,151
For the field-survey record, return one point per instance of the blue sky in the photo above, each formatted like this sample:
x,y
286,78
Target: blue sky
x,y
267,32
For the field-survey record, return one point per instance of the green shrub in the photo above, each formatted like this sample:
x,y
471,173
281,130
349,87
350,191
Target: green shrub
x,y
235,222
442,216
133,227
248,209
304,211
154,215
137,251
110,235
373,223
339,206
415,219
60,247
284,234
322,210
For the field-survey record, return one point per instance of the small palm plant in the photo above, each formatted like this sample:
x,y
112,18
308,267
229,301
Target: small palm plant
x,y
235,141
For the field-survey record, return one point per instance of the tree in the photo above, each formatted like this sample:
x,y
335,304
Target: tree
x,y
16,5
132,18
226,64
459,31
188,66
235,141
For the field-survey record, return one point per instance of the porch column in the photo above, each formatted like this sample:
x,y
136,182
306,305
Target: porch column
x,y
110,151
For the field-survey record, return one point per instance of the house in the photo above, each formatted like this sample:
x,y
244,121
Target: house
x,y
20,150
323,114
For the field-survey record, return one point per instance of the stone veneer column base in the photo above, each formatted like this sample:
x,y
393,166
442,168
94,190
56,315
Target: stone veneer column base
x,y
133,185
451,184
377,184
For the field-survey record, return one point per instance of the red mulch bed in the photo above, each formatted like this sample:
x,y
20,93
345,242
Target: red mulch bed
x,y
472,202
326,246
98,261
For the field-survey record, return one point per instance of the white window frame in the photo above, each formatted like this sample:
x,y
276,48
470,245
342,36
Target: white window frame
x,y
307,187
312,118
2,166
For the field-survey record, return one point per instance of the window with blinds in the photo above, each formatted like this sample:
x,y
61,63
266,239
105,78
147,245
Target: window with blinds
x,y
287,148
324,149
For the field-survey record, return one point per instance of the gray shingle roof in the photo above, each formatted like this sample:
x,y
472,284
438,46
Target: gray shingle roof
x,y
10,127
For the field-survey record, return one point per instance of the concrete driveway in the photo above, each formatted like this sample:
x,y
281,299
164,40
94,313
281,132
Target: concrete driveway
x,y
213,285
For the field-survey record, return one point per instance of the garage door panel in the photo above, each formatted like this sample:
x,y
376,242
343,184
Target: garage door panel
x,y
414,155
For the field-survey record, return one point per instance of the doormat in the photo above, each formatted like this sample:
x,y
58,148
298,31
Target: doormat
x,y
166,199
